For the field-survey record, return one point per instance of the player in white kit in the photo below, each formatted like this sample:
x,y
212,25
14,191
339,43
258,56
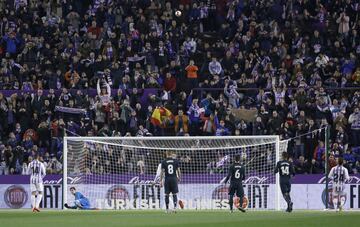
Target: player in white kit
x,y
339,174
37,173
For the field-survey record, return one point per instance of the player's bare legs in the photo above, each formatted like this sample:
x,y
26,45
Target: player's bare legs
x,y
337,202
38,201
35,201
341,202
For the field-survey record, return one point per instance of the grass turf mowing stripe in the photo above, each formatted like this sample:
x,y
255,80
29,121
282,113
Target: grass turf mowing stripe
x,y
182,218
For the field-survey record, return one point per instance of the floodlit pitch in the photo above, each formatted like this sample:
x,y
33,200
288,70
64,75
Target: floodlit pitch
x,y
182,218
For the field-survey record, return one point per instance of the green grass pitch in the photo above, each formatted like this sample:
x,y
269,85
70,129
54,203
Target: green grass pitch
x,y
25,218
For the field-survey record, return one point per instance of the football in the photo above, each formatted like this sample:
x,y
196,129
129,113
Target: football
x,y
244,204
181,204
178,13
236,202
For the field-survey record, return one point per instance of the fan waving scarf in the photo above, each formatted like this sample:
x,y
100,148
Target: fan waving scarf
x,y
160,116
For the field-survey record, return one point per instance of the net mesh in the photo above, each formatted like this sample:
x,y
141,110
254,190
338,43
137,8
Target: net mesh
x,y
120,173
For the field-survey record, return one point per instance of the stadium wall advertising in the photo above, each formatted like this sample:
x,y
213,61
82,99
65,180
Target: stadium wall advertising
x,y
134,192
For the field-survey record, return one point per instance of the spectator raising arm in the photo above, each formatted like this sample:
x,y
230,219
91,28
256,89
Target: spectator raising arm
x,y
104,93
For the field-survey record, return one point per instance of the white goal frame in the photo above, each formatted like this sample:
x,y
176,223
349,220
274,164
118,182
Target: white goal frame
x,y
276,138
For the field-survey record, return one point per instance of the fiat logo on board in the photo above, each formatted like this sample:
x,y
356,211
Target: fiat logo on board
x,y
15,196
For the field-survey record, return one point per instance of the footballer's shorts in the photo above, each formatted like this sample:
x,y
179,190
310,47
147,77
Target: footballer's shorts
x,y
338,189
236,189
39,187
285,187
171,186
82,203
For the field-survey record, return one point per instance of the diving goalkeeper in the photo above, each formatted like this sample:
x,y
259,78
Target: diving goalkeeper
x,y
81,202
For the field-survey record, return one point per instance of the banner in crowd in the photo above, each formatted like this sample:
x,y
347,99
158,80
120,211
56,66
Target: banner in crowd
x,y
129,191
70,110
91,92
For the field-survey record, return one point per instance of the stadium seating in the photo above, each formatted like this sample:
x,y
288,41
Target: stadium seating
x,y
133,68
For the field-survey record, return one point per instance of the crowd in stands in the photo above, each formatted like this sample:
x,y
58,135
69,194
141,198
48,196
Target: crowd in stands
x,y
223,67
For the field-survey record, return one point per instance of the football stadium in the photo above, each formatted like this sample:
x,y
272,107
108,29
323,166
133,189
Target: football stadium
x,y
179,113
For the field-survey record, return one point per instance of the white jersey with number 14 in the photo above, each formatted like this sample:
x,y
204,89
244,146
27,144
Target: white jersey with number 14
x,y
37,172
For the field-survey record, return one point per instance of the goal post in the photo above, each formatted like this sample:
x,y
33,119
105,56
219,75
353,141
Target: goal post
x,y
119,172
277,177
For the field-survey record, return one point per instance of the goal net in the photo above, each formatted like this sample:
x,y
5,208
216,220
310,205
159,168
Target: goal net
x,y
118,173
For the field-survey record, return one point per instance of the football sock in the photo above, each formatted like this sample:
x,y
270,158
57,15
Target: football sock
x,y
335,202
231,201
38,200
175,201
167,201
287,198
341,201
241,201
33,199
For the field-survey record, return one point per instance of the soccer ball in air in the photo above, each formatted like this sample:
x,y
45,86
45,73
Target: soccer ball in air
x,y
178,13
237,202
181,204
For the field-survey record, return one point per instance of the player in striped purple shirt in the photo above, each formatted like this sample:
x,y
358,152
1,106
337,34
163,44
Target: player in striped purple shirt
x,y
339,174
37,173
